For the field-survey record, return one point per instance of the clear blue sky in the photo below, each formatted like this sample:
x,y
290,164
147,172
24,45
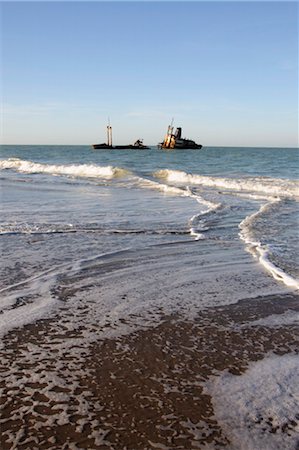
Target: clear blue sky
x,y
226,71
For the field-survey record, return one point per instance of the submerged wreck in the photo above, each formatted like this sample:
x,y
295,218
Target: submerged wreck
x,y
137,145
174,140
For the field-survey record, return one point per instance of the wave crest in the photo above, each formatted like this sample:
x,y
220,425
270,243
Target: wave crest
x,y
73,170
263,185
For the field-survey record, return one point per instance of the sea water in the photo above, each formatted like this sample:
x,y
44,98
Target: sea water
x,y
105,242
62,205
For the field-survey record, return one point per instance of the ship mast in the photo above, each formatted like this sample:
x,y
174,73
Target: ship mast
x,y
170,128
109,133
167,139
168,142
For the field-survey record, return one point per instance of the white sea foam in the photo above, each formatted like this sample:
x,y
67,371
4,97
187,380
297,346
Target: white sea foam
x,y
259,188
264,185
73,170
290,317
183,192
150,285
151,184
259,409
36,298
36,228
262,251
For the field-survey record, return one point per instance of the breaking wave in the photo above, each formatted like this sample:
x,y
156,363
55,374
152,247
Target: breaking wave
x,y
263,185
73,170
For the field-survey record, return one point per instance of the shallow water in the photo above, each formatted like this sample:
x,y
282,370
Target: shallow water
x,y
65,204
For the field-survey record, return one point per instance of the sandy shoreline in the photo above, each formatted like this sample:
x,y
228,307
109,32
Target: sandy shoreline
x,y
141,391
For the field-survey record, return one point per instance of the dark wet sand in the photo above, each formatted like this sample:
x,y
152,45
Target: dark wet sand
x,y
142,391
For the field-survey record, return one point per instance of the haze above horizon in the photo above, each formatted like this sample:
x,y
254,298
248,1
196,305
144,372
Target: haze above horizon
x,y
226,71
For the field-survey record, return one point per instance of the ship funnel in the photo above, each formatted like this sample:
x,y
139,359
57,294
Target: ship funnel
x,y
178,133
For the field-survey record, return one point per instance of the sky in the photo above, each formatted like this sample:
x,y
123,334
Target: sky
x,y
226,72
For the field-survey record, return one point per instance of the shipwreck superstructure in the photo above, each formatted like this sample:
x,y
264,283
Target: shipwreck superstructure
x,y
174,140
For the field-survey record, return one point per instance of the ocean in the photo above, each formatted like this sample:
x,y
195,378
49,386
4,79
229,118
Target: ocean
x,y
179,250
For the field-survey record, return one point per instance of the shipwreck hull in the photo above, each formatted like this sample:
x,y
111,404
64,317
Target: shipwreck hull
x,y
175,140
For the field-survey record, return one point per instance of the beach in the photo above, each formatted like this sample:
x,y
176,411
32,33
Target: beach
x,y
149,301
149,389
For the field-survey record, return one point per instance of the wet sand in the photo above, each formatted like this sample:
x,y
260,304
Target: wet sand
x,y
140,391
